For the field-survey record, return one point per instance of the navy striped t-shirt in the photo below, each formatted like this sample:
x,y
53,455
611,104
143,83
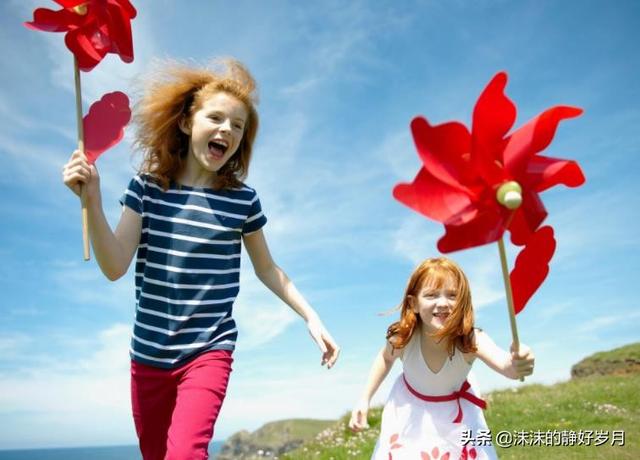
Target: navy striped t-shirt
x,y
187,267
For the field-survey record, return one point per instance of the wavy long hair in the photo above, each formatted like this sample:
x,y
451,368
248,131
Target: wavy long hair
x,y
177,91
458,328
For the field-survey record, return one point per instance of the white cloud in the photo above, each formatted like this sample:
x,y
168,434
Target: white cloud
x,y
398,152
344,42
551,311
13,344
63,401
293,390
84,284
602,322
300,86
587,222
260,315
30,161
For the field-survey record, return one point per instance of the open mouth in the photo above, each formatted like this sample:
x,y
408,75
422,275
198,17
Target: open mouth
x,y
442,315
218,148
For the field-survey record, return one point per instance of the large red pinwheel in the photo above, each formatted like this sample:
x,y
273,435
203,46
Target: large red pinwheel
x,y
464,174
94,28
482,183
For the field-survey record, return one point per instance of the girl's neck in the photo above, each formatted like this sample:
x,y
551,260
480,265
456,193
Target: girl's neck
x,y
195,177
428,341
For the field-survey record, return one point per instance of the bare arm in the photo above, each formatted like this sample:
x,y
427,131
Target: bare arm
x,y
382,364
113,250
277,281
512,365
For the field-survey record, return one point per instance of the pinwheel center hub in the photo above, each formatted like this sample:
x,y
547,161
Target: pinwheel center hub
x,y
80,9
509,195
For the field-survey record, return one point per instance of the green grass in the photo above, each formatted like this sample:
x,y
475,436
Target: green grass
x,y
628,352
338,442
592,403
275,433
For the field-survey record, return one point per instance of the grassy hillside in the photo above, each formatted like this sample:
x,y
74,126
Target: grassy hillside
x,y
622,360
272,438
273,433
596,402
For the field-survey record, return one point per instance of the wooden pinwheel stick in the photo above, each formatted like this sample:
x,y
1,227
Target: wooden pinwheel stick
x,y
83,196
510,196
507,288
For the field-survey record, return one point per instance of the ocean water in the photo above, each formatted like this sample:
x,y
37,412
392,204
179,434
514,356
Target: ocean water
x,y
87,453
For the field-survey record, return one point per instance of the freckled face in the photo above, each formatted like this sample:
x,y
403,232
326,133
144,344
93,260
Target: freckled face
x,y
215,131
435,304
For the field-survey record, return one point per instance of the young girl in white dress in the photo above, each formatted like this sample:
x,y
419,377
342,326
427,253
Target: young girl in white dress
x,y
432,408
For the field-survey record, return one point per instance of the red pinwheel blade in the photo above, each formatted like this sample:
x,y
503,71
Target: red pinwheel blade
x,y
484,226
70,3
544,173
121,14
532,266
493,117
444,151
534,137
432,197
527,218
47,20
104,124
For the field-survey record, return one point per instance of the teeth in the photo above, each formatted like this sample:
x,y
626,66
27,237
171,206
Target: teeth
x,y
220,141
219,144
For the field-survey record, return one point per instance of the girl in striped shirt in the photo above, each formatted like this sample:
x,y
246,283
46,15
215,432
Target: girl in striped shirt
x,y
185,216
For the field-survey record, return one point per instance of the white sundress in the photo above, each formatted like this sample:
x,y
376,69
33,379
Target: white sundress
x,y
413,428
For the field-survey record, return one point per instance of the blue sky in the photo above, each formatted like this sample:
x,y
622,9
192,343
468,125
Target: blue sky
x,y
339,83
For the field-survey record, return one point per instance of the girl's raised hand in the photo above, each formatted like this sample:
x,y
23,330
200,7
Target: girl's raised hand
x,y
78,172
358,421
330,350
523,361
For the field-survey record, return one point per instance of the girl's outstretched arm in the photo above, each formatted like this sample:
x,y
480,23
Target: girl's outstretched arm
x,y
511,365
382,364
113,250
277,281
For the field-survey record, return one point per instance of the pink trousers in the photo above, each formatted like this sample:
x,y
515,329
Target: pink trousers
x,y
174,410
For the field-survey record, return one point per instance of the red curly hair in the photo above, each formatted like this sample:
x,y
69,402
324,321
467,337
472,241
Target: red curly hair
x,y
458,329
178,92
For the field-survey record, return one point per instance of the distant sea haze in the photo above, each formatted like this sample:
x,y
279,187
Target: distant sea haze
x,y
88,453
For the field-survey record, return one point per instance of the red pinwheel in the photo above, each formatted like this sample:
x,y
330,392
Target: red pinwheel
x,y
94,28
465,175
482,183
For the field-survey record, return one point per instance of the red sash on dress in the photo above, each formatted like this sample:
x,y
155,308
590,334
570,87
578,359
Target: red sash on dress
x,y
456,395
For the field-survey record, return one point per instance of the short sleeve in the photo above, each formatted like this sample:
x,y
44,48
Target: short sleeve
x,y
132,196
256,218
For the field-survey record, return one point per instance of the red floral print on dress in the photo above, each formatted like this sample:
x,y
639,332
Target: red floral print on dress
x,y
469,454
435,455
